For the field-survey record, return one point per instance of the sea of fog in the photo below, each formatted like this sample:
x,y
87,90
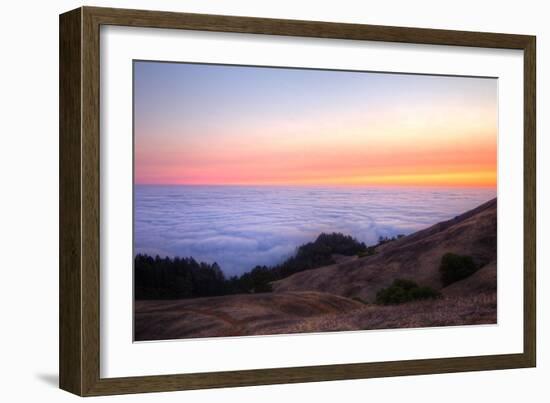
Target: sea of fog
x,y
240,227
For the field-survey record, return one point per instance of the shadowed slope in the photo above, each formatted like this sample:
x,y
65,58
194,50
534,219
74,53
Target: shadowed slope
x,y
482,281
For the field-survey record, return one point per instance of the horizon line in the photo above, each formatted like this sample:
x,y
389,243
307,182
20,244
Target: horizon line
x,y
477,186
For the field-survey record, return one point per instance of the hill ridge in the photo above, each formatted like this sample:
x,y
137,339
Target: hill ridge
x,y
416,257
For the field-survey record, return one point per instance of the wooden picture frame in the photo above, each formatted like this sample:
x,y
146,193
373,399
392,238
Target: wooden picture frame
x,y
79,279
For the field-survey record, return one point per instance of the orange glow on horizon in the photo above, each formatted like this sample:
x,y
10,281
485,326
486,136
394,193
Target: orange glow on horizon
x,y
383,130
484,179
451,166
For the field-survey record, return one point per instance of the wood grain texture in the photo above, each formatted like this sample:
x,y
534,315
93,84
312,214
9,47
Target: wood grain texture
x,y
317,29
530,201
70,275
80,200
90,202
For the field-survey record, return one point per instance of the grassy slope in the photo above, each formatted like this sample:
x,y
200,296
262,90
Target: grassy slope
x,y
300,312
415,257
234,315
474,310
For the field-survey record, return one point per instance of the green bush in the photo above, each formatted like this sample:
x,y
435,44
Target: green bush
x,y
424,293
391,295
404,291
406,285
368,252
456,267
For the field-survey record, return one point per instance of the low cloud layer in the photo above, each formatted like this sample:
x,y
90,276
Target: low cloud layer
x,y
241,227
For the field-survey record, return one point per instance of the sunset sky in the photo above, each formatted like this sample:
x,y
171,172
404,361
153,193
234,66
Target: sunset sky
x,y
223,125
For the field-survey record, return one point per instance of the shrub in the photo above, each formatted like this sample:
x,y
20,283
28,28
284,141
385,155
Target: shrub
x,y
424,293
404,291
368,252
385,239
391,295
407,285
456,267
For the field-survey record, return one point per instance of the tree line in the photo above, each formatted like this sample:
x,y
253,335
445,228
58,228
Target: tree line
x,y
174,278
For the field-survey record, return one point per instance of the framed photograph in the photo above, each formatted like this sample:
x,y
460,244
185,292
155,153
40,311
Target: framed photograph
x,y
248,201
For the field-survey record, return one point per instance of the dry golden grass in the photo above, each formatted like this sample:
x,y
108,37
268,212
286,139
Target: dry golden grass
x,y
474,310
233,315
262,314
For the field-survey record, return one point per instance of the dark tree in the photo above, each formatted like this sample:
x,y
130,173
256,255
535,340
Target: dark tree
x,y
173,278
319,253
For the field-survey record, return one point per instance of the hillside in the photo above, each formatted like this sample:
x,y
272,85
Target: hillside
x,y
340,296
300,312
234,315
416,257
